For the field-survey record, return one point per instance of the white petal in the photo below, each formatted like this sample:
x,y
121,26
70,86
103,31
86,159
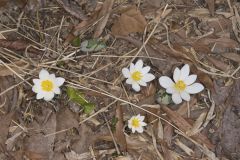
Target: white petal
x,y
176,98
143,123
126,73
132,68
36,88
141,118
139,65
36,81
43,74
59,81
139,129
176,74
130,123
184,72
48,96
145,69
171,90
185,96
40,95
136,87
194,88
129,81
142,83
133,130
148,77
165,82
190,79
57,90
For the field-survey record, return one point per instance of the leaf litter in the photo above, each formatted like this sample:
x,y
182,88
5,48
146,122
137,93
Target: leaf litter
x,y
88,43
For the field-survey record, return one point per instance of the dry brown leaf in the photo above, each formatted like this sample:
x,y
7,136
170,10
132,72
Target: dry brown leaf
x,y
211,6
204,78
196,128
119,134
232,56
131,21
168,133
17,67
37,142
19,45
185,126
183,109
218,63
123,158
9,99
3,3
185,148
105,13
72,9
160,130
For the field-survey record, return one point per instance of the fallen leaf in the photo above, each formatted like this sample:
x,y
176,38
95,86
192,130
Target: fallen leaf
x,y
232,56
76,42
19,45
78,97
36,142
16,66
3,3
92,45
72,9
185,148
105,13
183,125
211,6
119,134
131,21
9,99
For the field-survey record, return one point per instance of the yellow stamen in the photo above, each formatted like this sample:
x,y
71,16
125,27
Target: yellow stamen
x,y
136,76
47,85
135,122
180,85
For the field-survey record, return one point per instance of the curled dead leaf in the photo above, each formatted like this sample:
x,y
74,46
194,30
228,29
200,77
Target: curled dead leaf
x,y
130,21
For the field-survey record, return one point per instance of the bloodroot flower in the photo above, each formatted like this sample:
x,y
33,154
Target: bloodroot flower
x,y
136,123
182,86
47,85
137,75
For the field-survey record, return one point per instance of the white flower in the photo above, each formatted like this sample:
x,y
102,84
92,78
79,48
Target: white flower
x,y
137,75
136,123
182,86
47,85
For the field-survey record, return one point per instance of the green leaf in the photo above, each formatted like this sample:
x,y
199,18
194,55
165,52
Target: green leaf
x,y
163,97
92,45
78,97
76,42
88,107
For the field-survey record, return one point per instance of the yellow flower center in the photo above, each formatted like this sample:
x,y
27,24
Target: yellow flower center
x,y
135,122
136,76
47,85
180,85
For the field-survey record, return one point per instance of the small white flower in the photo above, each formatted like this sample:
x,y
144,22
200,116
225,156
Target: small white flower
x,y
137,75
136,123
182,86
47,85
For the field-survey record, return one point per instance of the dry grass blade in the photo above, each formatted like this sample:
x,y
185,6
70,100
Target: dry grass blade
x,y
197,125
185,148
16,66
